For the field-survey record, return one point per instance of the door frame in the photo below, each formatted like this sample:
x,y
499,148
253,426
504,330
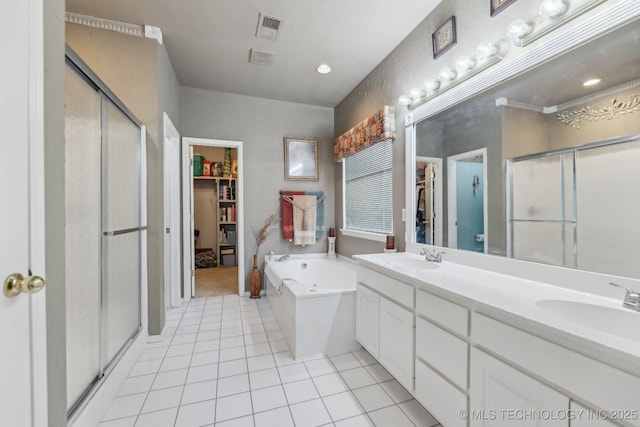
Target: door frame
x,y
187,204
437,221
172,214
452,213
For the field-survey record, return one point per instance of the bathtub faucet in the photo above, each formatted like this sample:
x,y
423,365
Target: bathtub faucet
x,y
432,256
283,257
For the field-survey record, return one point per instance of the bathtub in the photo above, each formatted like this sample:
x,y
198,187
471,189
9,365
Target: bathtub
x,y
313,300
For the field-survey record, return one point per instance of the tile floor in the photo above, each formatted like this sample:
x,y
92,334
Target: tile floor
x,y
224,362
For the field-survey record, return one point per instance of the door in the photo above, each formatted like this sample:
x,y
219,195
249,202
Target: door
x,y
23,368
188,260
396,342
367,319
172,214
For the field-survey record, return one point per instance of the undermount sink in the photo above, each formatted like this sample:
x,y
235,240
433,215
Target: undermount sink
x,y
620,322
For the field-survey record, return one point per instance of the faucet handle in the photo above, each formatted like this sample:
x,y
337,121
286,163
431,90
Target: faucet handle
x,y
629,290
631,299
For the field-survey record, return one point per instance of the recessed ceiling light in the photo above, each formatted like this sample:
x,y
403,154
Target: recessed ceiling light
x,y
323,69
591,82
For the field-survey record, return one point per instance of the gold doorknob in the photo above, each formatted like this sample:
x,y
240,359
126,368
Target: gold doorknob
x,y
16,284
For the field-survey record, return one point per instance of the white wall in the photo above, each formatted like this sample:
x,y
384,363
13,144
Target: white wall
x,y
261,124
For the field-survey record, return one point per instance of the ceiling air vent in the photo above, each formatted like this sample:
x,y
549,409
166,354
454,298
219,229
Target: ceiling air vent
x,y
260,57
267,27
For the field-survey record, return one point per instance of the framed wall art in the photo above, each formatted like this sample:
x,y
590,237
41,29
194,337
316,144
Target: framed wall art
x,y
301,159
444,38
498,6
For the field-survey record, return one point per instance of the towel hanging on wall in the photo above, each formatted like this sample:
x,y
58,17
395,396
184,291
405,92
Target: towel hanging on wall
x,y
286,212
304,219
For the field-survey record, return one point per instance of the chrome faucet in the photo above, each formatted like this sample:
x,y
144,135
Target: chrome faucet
x,y
283,257
432,256
631,299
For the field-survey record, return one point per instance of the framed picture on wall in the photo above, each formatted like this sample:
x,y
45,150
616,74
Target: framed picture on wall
x,y
498,6
444,38
301,159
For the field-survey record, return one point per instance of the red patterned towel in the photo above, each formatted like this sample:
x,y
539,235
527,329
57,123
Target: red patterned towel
x,y
286,214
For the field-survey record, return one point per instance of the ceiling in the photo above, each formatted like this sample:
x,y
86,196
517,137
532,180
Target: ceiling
x,y
208,41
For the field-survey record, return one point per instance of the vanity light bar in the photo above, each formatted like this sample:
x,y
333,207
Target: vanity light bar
x,y
552,14
487,54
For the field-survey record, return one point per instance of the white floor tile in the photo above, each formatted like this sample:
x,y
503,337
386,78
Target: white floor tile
x,y
372,397
233,353
120,422
330,384
231,332
233,385
321,366
280,417
236,323
253,329
259,363
358,377
209,345
391,416
234,406
258,349
310,414
152,353
379,373
134,385
345,361
229,342
265,399
187,329
271,326
358,421
190,321
177,362
198,392
342,405
184,339
232,367
300,391
275,335
180,349
196,414
284,358
162,399
278,346
236,422
255,338
213,327
125,406
293,372
396,391
202,373
264,378
170,379
364,357
145,368
205,358
164,418
418,414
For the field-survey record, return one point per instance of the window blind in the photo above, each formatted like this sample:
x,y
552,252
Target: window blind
x,y
368,195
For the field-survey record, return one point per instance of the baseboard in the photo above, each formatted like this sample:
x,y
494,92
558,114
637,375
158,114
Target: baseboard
x,y
98,403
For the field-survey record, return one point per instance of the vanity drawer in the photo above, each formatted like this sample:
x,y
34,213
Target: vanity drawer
x,y
443,351
446,313
600,384
387,286
440,398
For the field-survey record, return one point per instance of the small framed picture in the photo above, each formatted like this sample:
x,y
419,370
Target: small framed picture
x,y
216,168
444,38
498,6
301,159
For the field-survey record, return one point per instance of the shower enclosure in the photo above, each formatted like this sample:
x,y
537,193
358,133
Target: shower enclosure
x,y
104,230
573,207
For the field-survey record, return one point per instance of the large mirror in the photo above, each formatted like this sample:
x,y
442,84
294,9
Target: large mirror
x,y
541,167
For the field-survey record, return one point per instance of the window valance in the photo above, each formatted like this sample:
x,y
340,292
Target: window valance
x,y
377,127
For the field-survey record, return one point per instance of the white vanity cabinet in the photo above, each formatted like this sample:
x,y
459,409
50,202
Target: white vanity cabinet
x,y
502,395
384,322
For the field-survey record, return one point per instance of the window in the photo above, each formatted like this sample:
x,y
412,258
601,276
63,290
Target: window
x,y
367,192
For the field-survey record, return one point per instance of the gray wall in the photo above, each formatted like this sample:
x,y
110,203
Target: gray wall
x,y
138,71
54,70
261,124
407,66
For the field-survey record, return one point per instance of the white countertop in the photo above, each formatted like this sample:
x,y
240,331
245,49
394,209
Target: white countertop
x,y
517,301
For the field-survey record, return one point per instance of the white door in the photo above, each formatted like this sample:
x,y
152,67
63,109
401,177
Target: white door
x,y
172,213
23,358
396,342
367,319
188,260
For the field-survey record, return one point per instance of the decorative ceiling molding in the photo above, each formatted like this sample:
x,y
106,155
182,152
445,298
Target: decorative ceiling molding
x,y
595,113
146,31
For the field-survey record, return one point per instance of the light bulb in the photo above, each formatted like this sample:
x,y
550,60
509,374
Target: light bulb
x,y
591,82
404,100
447,74
552,8
417,93
464,63
432,85
486,50
518,29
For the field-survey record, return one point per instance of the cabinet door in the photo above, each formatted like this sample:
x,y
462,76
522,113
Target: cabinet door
x,y
503,396
367,319
396,342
